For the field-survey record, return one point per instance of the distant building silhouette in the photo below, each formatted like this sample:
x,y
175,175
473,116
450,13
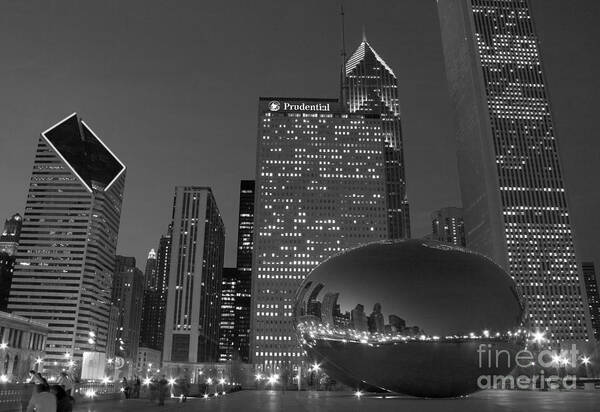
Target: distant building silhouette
x,y
376,321
590,280
358,319
227,316
195,276
150,304
397,323
9,240
127,297
245,246
447,225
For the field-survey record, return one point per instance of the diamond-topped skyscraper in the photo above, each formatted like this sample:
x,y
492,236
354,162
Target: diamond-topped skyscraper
x,y
513,192
65,259
370,87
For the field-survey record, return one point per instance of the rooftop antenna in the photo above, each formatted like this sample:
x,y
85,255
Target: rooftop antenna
x,y
343,85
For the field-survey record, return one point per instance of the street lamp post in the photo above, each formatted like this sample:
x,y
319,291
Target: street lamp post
x,y
316,368
258,378
273,380
585,360
209,382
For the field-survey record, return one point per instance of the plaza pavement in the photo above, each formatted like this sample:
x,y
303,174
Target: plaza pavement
x,y
272,401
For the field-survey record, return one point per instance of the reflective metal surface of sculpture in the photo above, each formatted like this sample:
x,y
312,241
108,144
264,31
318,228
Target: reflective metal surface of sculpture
x,y
417,317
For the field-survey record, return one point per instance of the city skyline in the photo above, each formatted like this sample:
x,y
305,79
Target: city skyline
x,y
350,197
411,46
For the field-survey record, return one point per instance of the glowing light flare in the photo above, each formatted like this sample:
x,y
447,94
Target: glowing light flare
x,y
538,337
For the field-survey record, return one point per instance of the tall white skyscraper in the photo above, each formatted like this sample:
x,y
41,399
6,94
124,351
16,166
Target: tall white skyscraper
x,y
513,193
65,259
320,189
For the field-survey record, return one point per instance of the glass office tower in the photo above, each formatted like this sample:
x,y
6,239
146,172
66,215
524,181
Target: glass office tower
x,y
370,87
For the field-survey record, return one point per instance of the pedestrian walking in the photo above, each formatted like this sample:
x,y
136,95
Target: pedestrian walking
x,y
125,387
162,390
66,383
153,389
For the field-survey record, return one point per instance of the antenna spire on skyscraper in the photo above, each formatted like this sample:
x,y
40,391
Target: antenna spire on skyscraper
x,y
343,93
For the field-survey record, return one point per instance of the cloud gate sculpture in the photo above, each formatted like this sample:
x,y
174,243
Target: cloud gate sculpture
x,y
417,317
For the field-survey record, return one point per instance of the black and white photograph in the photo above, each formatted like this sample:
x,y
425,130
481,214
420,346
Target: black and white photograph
x,y
312,205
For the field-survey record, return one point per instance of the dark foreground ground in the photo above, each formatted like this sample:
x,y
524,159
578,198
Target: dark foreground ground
x,y
269,401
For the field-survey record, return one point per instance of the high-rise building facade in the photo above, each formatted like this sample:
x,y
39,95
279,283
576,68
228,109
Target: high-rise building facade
x,y
194,291
370,87
150,269
9,240
227,317
7,265
149,299
66,255
320,189
513,193
128,297
588,271
245,244
447,226
155,299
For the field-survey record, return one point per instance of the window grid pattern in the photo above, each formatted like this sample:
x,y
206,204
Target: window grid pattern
x,y
541,253
320,189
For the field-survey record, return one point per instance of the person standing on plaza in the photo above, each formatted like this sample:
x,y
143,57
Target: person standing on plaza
x,y
153,389
125,387
162,390
136,387
66,383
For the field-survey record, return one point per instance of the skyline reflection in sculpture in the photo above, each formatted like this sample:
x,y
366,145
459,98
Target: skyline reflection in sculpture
x,y
408,316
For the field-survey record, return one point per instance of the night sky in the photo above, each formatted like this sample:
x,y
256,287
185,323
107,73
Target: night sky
x,y
172,88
